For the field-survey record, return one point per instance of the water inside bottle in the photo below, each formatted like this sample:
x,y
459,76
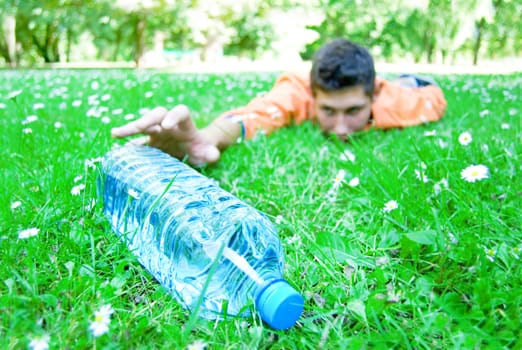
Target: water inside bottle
x,y
177,234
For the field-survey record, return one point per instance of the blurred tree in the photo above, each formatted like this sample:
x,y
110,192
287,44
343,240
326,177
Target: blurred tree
x,y
145,16
253,34
41,25
357,20
8,46
44,27
53,30
423,28
240,26
8,49
404,34
504,31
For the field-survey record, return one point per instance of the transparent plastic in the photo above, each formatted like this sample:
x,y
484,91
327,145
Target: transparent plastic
x,y
195,238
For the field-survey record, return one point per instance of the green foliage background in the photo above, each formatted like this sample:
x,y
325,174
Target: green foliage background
x,y
49,31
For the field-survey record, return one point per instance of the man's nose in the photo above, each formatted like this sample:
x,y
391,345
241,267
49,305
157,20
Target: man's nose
x,y
341,130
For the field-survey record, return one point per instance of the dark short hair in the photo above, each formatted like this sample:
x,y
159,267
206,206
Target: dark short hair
x,y
341,64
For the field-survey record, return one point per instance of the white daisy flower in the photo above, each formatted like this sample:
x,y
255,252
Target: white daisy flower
x,y
390,205
490,253
347,155
440,185
294,239
27,233
13,94
339,178
29,119
331,195
465,138
354,182
15,205
102,319
452,238
475,173
106,310
420,175
91,163
442,144
40,343
197,345
75,191
323,151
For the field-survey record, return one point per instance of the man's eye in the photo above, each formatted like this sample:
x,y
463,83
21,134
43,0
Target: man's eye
x,y
352,111
328,111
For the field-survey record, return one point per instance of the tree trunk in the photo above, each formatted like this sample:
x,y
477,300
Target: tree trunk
x,y
444,54
479,26
49,49
430,51
117,46
68,45
9,31
52,41
429,43
40,47
139,43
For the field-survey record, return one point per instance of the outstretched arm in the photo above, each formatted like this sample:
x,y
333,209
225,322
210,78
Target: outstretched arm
x,y
174,132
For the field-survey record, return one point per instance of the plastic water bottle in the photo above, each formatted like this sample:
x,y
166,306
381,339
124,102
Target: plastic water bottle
x,y
212,251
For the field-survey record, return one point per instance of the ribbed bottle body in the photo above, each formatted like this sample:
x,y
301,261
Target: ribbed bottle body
x,y
182,226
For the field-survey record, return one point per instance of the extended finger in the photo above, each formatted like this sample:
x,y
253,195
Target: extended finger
x,y
204,155
145,123
178,118
140,141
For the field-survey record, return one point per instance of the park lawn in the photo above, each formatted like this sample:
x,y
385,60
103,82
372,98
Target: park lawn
x,y
441,270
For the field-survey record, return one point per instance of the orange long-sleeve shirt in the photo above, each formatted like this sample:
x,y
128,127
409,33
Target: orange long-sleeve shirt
x,y
291,101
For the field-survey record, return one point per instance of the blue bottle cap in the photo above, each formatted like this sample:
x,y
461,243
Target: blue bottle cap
x,y
279,304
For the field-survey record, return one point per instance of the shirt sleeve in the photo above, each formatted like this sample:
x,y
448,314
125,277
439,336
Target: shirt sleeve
x,y
396,106
289,101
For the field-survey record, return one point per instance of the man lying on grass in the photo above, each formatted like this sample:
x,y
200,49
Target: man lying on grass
x,y
341,94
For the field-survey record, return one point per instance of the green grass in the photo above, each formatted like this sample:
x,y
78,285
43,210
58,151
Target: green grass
x,y
418,277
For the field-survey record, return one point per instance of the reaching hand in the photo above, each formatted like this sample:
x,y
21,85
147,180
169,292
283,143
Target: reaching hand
x,y
173,132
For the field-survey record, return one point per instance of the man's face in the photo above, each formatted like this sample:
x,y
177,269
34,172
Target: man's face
x,y
343,112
